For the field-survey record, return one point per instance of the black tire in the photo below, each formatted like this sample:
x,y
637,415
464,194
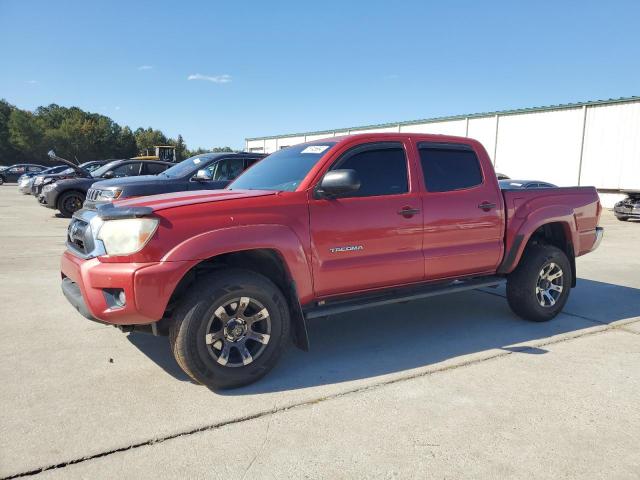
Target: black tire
x,y
70,202
622,219
191,326
523,283
1,179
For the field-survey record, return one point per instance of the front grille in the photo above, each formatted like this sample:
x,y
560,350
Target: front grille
x,y
79,236
92,194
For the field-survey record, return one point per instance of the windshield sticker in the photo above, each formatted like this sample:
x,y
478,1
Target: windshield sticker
x,y
196,161
315,149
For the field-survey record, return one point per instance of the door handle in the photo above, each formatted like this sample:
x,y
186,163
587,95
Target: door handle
x,y
486,206
408,212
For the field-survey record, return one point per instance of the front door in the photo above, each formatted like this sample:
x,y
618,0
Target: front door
x,y
372,238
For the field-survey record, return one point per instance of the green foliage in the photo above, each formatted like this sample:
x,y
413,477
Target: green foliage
x,y
76,135
147,139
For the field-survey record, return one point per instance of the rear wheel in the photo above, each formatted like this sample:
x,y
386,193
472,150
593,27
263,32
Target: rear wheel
x,y
230,329
1,179
623,219
539,287
70,202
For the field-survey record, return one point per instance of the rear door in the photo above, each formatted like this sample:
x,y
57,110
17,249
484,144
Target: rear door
x,y
463,213
372,238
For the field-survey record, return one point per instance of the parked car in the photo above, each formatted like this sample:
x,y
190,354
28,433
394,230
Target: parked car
x,y
25,181
524,184
71,171
317,229
629,208
68,195
209,171
13,172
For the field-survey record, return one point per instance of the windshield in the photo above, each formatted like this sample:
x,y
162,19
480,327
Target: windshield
x,y
188,166
98,172
283,170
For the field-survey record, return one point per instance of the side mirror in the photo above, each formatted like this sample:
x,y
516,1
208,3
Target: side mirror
x,y
337,183
203,176
108,174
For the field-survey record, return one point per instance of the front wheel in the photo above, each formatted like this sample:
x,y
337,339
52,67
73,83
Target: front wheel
x,y
622,219
230,329
1,179
539,287
69,203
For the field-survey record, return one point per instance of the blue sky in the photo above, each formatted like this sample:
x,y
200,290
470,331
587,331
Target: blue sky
x,y
218,72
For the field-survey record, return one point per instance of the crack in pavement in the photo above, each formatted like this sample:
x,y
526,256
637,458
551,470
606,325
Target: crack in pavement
x,y
504,353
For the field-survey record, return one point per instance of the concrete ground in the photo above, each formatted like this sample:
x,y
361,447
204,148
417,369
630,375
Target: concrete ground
x,y
450,387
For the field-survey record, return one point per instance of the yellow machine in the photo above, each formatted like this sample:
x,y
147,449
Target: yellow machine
x,y
166,153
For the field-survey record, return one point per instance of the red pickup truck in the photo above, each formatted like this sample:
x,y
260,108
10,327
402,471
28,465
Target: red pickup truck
x,y
316,229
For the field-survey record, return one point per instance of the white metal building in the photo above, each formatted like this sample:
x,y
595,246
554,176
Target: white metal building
x,y
591,143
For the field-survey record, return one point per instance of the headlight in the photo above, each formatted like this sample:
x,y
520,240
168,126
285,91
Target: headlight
x,y
108,195
126,236
48,187
38,180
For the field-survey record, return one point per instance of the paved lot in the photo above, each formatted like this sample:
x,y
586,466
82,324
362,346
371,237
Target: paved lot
x,y
451,387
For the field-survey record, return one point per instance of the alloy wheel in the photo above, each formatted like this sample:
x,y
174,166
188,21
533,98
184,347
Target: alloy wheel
x,y
238,332
549,285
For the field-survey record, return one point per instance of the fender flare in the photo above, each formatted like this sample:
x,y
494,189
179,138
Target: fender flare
x,y
529,224
278,238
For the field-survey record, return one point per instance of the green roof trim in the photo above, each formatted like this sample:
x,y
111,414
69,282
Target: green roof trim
x,y
547,108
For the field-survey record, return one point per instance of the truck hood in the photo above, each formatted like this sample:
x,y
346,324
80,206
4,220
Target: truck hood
x,y
173,200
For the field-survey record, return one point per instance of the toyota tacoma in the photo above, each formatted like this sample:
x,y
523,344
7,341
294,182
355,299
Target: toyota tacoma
x,y
316,229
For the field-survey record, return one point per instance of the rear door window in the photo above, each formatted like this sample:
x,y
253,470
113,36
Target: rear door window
x,y
227,169
449,167
154,168
381,168
127,170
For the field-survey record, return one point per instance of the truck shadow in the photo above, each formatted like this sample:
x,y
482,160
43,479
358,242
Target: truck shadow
x,y
402,337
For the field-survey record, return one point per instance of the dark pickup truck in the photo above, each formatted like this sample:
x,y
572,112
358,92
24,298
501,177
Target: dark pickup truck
x,y
317,229
208,171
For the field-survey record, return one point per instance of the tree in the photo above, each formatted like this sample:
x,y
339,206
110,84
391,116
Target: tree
x,y
25,135
147,139
181,148
74,134
7,150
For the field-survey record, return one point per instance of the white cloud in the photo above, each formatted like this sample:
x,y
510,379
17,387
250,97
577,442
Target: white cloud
x,y
117,107
145,67
33,82
215,78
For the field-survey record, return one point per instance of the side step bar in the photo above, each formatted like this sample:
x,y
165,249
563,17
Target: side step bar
x,y
396,296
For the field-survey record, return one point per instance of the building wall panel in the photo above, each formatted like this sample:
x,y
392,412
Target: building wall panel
x,y
452,127
289,141
254,145
483,129
319,136
270,145
375,130
541,146
611,155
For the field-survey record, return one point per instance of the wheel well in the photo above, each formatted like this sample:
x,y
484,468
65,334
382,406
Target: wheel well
x,y
555,234
266,262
